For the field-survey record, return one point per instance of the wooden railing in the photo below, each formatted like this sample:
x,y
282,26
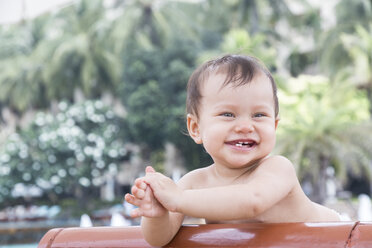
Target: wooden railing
x,y
330,234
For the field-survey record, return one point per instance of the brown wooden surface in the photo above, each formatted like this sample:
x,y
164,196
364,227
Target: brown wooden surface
x,y
332,234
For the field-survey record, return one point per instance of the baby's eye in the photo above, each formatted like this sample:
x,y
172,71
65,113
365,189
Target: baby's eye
x,y
259,115
227,114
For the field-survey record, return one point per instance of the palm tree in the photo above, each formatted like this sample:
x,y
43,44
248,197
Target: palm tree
x,y
21,85
21,64
333,56
359,49
83,56
324,125
22,61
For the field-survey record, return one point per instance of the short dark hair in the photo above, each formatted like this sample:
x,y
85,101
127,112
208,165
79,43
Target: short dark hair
x,y
240,70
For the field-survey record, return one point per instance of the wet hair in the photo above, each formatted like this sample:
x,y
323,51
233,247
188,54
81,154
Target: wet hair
x,y
239,70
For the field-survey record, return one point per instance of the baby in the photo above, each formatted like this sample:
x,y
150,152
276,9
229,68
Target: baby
x,y
232,110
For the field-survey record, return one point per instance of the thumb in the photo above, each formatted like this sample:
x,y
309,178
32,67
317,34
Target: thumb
x,y
149,169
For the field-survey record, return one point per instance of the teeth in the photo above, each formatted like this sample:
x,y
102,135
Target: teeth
x,y
240,144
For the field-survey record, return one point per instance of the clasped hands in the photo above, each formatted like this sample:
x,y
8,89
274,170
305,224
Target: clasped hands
x,y
154,195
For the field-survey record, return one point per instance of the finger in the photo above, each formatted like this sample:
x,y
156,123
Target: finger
x,y
132,200
137,192
150,169
140,183
149,180
149,195
152,178
129,198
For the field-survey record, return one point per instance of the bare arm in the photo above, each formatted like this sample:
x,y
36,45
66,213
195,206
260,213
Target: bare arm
x,y
272,181
160,231
158,224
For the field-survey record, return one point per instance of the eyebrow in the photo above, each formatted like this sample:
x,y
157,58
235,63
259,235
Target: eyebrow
x,y
222,105
264,105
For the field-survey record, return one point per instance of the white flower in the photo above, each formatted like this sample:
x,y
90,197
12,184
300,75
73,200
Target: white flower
x,y
84,181
63,106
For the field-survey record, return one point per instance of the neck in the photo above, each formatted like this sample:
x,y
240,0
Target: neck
x,y
232,174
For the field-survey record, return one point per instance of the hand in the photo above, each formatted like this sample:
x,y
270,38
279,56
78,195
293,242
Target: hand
x,y
165,190
142,196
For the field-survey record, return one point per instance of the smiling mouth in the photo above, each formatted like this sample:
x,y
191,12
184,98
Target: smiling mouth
x,y
246,144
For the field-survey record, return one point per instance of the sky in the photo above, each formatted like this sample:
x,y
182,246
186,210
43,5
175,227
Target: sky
x,y
11,11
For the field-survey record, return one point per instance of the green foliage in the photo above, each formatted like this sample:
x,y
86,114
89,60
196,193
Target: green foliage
x,y
359,48
239,41
144,51
299,61
157,160
349,13
154,94
22,60
350,16
322,122
313,110
147,115
83,56
48,58
60,154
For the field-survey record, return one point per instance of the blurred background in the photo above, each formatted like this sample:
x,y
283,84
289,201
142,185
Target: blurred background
x,y
93,91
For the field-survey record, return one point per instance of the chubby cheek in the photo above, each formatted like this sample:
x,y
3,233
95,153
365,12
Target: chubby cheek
x,y
270,138
211,139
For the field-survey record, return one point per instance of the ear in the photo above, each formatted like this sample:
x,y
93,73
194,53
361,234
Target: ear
x,y
276,122
193,128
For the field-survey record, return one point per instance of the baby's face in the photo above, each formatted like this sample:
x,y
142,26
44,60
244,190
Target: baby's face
x,y
237,124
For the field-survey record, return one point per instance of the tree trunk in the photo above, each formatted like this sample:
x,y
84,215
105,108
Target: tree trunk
x,y
254,22
80,196
320,183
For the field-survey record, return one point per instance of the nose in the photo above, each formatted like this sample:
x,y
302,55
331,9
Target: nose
x,y
244,125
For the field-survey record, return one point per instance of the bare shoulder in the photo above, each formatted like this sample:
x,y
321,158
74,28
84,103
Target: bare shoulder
x,y
278,165
193,178
281,173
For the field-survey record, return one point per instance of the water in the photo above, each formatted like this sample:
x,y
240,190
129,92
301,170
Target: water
x,y
19,246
